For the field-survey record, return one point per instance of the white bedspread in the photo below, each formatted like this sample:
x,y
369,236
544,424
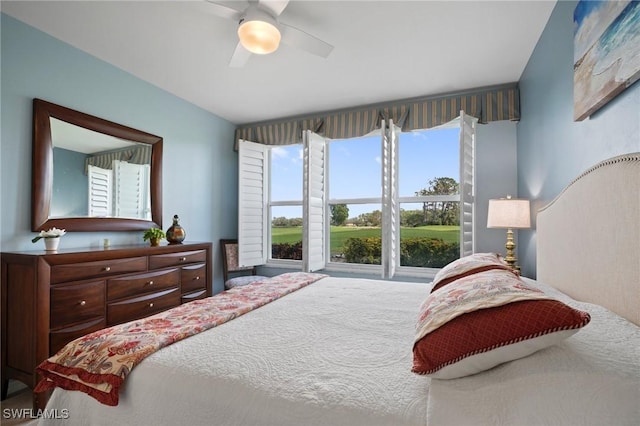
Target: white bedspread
x,y
339,353
592,378
335,353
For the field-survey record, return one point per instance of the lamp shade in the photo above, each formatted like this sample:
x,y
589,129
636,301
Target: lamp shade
x,y
258,33
508,213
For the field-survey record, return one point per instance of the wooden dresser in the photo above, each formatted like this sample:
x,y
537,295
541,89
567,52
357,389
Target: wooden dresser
x,y
49,299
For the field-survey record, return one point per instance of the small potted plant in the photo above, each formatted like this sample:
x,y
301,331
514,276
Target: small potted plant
x,y
51,238
154,235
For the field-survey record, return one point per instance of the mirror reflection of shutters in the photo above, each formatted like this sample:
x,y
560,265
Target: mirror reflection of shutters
x,y
100,191
131,198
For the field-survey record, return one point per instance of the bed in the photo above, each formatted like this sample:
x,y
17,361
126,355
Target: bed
x,y
339,351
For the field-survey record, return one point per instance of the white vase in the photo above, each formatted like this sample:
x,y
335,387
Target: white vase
x,y
51,244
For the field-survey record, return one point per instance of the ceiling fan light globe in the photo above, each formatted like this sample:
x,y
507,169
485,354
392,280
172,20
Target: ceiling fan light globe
x,y
259,36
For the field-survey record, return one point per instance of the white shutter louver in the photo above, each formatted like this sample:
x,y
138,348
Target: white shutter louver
x,y
313,201
390,207
253,167
99,191
467,190
131,183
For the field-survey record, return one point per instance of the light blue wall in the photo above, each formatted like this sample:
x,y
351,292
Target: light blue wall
x,y
70,189
200,166
496,177
552,148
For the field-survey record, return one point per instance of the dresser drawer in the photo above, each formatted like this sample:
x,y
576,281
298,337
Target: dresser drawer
x,y
138,307
193,277
194,296
73,304
174,259
79,271
133,285
59,338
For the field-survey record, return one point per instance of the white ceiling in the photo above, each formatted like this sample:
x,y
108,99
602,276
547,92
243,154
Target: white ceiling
x,y
384,50
75,138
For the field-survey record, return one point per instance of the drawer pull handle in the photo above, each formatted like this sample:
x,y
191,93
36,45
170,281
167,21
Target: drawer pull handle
x,y
151,282
151,305
182,259
83,302
197,278
107,268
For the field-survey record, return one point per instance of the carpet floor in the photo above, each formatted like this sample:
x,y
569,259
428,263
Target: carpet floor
x,y
15,407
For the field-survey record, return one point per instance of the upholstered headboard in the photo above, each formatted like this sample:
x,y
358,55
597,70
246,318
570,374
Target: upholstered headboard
x,y
588,238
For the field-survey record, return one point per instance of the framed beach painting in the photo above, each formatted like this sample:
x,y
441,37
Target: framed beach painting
x,y
606,52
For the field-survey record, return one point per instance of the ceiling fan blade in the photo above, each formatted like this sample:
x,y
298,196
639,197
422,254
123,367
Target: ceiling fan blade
x,y
275,7
298,38
227,9
240,57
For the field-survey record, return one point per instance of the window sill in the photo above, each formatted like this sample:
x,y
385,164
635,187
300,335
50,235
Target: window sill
x,y
425,275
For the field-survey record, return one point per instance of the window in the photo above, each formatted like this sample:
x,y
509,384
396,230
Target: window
x,y
285,204
376,201
354,192
429,175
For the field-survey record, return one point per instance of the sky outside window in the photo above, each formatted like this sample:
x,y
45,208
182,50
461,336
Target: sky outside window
x,y
286,173
426,155
355,166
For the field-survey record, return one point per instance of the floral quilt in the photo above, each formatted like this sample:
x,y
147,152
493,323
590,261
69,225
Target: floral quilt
x,y
99,362
485,289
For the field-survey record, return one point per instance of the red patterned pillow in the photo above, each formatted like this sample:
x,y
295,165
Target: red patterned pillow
x,y
487,319
468,265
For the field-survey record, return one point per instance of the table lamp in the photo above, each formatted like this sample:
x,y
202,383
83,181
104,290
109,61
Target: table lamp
x,y
509,213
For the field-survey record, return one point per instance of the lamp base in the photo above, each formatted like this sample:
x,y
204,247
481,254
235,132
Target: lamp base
x,y
510,258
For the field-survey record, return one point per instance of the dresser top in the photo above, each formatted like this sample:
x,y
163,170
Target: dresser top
x,y
114,251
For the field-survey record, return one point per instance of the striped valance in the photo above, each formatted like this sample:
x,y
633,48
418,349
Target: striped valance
x,y
488,104
139,154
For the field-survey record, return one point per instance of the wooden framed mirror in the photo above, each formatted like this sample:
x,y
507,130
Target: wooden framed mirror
x,y
81,171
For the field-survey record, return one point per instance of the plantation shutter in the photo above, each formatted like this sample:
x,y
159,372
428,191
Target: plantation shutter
x,y
130,193
390,207
99,191
253,168
313,198
467,190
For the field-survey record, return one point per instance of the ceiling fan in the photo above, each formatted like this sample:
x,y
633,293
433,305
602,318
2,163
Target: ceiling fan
x,y
259,30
